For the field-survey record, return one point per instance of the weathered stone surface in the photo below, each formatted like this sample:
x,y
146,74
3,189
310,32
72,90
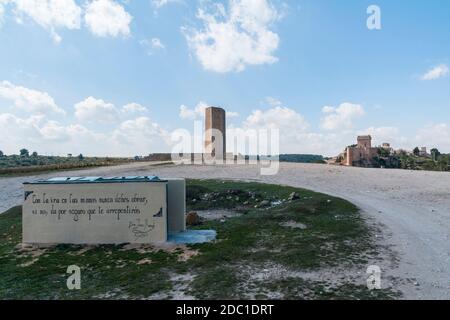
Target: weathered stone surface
x,y
176,206
293,196
193,219
294,225
264,203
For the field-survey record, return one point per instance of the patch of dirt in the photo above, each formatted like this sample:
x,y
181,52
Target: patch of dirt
x,y
30,252
257,276
183,252
150,248
83,250
113,294
220,214
180,287
294,225
29,263
263,249
144,261
187,254
120,264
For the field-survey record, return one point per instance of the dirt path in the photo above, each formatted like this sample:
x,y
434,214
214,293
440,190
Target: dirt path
x,y
412,206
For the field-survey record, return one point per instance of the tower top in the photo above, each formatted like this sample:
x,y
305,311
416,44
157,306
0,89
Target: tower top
x,y
215,108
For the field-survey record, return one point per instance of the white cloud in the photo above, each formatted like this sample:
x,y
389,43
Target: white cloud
x,y
300,139
102,17
158,4
292,128
199,111
380,135
8,119
326,144
157,44
435,73
2,12
30,100
232,114
36,133
134,108
96,110
434,136
49,14
282,118
16,133
107,18
193,114
296,134
75,135
54,132
339,118
273,102
235,38
152,45
138,126
140,131
141,135
138,136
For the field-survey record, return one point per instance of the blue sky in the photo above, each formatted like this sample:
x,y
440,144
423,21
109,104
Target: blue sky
x,y
311,68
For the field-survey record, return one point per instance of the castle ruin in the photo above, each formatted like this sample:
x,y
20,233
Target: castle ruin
x,y
360,155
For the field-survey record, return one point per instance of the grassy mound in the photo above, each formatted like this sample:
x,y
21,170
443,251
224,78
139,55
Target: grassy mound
x,y
275,248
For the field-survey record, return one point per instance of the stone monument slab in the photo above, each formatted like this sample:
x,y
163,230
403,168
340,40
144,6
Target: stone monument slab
x,y
95,210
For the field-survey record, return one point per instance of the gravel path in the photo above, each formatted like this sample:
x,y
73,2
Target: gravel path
x,y
412,206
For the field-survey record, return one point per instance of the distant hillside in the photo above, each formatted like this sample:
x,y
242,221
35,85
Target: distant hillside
x,y
302,158
28,163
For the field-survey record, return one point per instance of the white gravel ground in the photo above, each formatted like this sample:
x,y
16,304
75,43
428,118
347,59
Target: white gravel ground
x,y
412,206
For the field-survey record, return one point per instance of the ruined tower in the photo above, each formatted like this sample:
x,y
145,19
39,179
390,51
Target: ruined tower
x,y
361,154
215,132
365,142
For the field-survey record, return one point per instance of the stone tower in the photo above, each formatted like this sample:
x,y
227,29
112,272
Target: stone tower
x,y
215,132
365,142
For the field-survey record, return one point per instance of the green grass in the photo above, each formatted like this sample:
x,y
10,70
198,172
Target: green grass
x,y
336,237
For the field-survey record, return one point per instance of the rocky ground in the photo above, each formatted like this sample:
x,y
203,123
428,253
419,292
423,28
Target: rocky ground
x,y
411,209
